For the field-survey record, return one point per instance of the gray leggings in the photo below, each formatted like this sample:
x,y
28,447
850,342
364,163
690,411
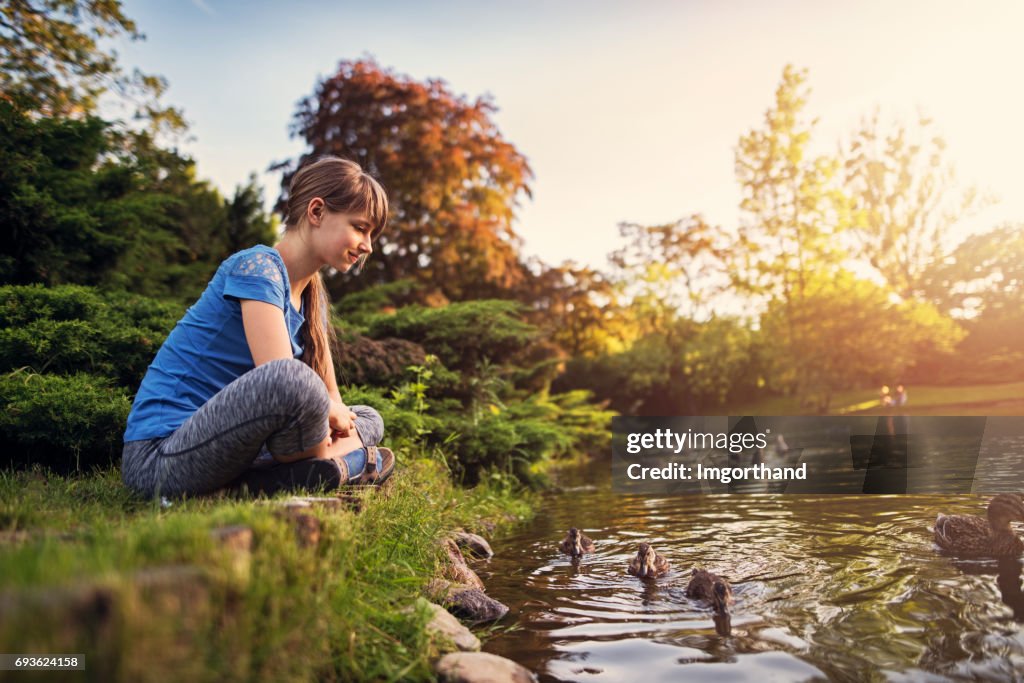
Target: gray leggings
x,y
279,407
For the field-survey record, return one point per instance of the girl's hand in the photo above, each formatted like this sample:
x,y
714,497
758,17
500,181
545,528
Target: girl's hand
x,y
341,419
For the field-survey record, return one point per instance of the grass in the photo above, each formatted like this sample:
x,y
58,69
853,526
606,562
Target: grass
x,y
342,610
978,399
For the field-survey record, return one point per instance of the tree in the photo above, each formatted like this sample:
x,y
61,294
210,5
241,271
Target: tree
x,y
67,215
792,213
982,282
452,180
53,63
846,332
576,307
83,204
792,209
671,270
905,200
247,222
700,369
982,276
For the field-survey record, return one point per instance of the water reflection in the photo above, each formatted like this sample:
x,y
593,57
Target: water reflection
x,y
826,587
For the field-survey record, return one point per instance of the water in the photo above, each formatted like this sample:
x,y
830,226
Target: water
x,y
827,587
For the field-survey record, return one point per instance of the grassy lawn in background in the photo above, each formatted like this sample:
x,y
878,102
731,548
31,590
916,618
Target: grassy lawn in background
x,y
978,399
340,610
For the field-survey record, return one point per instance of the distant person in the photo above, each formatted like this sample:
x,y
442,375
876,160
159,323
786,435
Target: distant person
x,y
900,397
885,397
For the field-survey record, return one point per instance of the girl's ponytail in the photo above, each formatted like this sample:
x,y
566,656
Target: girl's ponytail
x,y
318,336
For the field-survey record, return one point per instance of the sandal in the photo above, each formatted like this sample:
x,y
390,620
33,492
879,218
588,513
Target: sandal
x,y
370,474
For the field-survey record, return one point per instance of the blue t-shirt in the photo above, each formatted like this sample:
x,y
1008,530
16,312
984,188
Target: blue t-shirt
x,y
207,349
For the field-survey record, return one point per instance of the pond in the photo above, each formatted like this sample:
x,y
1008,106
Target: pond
x,y
827,587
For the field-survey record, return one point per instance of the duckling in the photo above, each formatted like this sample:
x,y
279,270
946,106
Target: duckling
x,y
647,563
972,535
711,588
576,544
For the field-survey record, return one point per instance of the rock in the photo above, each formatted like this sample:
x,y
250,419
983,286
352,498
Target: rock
x,y
68,619
457,570
481,667
326,502
307,530
476,545
438,590
474,606
466,602
442,623
88,607
236,538
164,611
172,589
236,543
307,527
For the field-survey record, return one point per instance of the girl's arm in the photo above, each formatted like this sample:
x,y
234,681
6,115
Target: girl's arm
x,y
265,331
341,418
267,336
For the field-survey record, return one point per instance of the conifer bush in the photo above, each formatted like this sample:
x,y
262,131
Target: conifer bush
x,y
66,422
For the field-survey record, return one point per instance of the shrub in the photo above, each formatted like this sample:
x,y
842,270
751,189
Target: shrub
x,y
379,363
582,426
67,423
70,329
462,335
358,308
403,426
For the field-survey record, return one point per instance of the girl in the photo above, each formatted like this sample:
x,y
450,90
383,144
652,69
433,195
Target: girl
x,y
243,391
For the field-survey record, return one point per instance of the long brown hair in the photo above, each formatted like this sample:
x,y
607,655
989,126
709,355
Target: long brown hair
x,y
344,187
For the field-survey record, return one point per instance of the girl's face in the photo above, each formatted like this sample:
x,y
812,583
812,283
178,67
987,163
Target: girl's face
x,y
341,239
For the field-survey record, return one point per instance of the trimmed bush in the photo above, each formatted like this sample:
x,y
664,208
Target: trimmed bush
x,y
463,335
379,363
66,423
71,329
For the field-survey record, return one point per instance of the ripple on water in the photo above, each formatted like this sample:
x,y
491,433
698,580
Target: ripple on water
x,y
841,587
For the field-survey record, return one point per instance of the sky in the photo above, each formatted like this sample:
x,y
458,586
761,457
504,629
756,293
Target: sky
x,y
624,111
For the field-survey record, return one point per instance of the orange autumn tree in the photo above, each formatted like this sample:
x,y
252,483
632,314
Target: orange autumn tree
x,y
453,181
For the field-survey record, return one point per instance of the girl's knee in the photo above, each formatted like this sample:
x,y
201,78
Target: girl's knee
x,y
296,384
369,425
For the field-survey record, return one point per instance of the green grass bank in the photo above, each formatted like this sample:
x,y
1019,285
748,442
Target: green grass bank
x,y
1006,398
87,568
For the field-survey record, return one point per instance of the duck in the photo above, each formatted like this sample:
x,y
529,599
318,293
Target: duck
x,y
973,536
648,563
710,588
576,544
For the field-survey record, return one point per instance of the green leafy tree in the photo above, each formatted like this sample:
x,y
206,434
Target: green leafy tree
x,y
452,180
669,271
846,332
575,306
791,207
702,368
53,63
982,282
69,212
247,222
793,212
81,203
982,276
905,200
